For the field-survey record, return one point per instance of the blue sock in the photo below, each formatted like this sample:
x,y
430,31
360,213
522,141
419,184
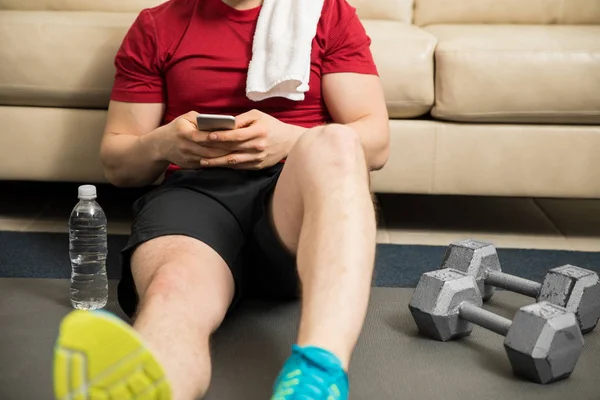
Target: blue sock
x,y
311,373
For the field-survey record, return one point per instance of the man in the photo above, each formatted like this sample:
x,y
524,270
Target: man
x,y
279,207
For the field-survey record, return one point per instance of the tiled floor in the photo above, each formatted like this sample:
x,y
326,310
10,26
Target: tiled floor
x,y
407,219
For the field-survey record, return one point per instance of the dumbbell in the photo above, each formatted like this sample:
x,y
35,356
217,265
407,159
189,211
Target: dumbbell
x,y
576,289
543,341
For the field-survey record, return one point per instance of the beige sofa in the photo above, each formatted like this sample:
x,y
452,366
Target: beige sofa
x,y
486,97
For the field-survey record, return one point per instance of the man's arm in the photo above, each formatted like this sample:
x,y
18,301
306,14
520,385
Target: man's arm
x,y
357,100
129,152
136,151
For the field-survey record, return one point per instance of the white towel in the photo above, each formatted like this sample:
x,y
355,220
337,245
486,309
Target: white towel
x,y
281,51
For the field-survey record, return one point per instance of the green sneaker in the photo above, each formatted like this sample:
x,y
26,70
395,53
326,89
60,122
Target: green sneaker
x,y
99,356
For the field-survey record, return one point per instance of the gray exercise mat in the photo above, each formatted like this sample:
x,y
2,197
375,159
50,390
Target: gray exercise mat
x,y
391,361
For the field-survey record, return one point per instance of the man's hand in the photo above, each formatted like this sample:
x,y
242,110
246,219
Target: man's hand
x,y
259,141
184,145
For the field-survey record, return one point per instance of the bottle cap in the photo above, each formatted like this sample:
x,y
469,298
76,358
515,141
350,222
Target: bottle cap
x,y
87,192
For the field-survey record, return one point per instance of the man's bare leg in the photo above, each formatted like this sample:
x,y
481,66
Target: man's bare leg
x,y
322,208
185,289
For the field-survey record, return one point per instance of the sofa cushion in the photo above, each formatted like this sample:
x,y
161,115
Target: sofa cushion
x,y
79,5
51,144
428,157
524,160
60,59
507,11
411,163
538,74
404,57
65,59
434,157
397,10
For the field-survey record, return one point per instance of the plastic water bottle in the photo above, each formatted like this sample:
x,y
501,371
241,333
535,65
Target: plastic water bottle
x,y
88,250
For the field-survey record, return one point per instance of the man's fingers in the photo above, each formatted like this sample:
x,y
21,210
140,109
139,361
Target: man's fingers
x,y
234,159
199,151
199,137
237,135
186,127
191,117
246,130
245,119
253,145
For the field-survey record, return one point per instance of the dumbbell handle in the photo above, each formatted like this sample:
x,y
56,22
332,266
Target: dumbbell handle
x,y
484,318
514,284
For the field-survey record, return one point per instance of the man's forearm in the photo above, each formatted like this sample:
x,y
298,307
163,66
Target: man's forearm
x,y
131,160
374,136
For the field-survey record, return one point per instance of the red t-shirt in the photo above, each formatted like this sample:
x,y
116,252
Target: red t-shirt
x,y
193,55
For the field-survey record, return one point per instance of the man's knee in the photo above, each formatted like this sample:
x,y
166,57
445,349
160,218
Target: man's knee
x,y
189,293
185,273
170,279
336,146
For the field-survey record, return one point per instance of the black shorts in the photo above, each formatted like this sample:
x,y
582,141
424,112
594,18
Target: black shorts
x,y
228,210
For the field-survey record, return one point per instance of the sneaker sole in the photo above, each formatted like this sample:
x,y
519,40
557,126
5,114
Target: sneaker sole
x,y
98,356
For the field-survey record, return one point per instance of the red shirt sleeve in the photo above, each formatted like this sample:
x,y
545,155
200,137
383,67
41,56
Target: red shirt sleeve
x,y
138,77
348,45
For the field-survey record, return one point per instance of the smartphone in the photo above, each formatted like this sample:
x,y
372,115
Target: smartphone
x,y
215,122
